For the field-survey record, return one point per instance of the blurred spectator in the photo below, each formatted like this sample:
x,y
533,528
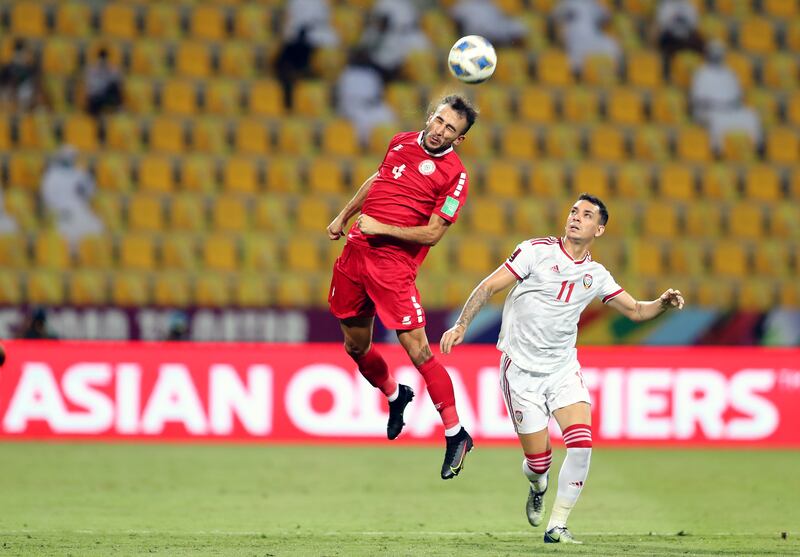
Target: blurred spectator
x,y
8,225
178,327
67,192
20,79
716,98
359,96
676,30
580,24
103,83
391,33
37,328
306,27
484,17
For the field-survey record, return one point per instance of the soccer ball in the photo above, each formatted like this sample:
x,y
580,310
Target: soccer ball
x,y
472,59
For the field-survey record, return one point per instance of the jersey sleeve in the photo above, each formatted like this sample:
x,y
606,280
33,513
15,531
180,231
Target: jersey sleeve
x,y
609,289
523,260
448,205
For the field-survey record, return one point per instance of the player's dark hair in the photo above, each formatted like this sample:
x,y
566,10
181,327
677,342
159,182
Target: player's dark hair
x,y
463,107
600,205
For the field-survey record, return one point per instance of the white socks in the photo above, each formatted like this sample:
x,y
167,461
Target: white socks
x,y
570,484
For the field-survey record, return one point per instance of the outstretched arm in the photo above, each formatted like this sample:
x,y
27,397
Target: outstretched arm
x,y
428,235
336,227
643,311
501,279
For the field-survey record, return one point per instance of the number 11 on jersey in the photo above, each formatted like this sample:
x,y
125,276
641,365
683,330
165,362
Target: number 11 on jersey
x,y
569,291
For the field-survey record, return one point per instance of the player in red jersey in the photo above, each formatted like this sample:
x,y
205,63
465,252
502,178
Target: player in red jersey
x,y
406,207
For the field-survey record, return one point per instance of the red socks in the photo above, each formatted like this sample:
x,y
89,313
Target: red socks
x,y
374,369
440,389
539,463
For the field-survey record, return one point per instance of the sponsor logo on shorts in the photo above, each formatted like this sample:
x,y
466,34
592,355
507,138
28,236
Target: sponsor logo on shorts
x,y
427,167
587,281
450,206
406,320
518,416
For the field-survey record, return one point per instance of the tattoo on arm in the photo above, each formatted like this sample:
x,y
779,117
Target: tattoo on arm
x,y
474,304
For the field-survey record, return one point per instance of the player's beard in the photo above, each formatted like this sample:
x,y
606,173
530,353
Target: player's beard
x,y
435,150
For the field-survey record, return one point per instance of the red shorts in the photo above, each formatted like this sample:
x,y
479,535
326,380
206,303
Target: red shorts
x,y
365,281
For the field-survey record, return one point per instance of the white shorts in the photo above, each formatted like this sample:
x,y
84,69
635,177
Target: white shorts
x,y
532,397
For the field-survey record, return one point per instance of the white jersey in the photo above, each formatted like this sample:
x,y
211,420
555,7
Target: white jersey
x,y
540,316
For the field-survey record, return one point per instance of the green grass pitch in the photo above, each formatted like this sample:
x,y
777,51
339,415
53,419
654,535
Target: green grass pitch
x,y
335,500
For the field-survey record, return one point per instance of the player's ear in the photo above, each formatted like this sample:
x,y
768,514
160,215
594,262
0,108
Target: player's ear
x,y
600,229
458,140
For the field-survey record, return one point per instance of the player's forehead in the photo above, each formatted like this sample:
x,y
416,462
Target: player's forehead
x,y
450,116
583,206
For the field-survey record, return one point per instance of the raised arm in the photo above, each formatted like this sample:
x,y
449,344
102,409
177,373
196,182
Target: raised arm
x,y
644,311
336,227
499,280
427,235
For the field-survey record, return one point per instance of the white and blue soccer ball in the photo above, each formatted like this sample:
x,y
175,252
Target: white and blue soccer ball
x,y
472,59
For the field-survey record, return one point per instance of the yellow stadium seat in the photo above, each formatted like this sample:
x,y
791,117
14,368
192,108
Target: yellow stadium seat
x,y
581,105
757,35
530,218
780,71
302,254
634,181
742,66
765,102
738,146
348,21
167,135
713,26
518,141
644,69
326,175
283,175
793,108
162,20
547,180
60,57
474,255
241,175
261,253
789,293
592,178
193,59
118,20
222,96
719,181
5,132
21,204
627,29
187,212
624,221
130,289
172,289
213,290
313,214
13,251
783,145
272,213
35,131
794,184
179,251
362,169
292,290
80,131
95,252
237,59
756,295
772,259
488,216
503,179
10,288
729,259
439,27
73,19
113,172
552,68
251,137
179,96
251,22
703,219
683,66
686,257
607,143
137,252
328,62
746,220
156,173
210,135
562,142
148,57
715,292
677,181
739,9
145,213
51,251
419,67
108,206
379,138
693,144
669,106
650,143
87,288
122,133
495,103
220,252
198,173
252,290
339,138
537,105
645,258
25,169
229,213
478,143
138,95
762,183
625,106
207,22
45,287
28,19
311,98
404,98
599,69
782,9
514,67
294,136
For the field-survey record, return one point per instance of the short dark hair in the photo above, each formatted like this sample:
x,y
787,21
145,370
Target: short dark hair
x,y
463,107
594,200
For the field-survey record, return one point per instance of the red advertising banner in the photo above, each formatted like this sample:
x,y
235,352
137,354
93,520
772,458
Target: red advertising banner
x,y
313,393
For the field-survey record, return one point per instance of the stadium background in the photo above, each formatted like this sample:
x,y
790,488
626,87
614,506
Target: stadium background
x,y
215,198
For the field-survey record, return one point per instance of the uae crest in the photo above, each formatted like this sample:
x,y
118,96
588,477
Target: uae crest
x,y
587,280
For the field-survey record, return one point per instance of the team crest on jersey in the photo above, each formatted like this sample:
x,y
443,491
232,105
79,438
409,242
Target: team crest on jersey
x,y
427,167
518,416
587,281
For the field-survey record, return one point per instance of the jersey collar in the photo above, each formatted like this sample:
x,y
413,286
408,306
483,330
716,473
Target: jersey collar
x,y
587,257
443,153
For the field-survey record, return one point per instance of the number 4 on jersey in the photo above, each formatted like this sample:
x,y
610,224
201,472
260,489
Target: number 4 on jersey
x,y
397,171
569,291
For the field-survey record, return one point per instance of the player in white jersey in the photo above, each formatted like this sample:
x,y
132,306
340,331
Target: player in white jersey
x,y
554,280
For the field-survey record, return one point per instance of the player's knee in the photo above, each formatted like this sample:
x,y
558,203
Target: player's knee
x,y
355,350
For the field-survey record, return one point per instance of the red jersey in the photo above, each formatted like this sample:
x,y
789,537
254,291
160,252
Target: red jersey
x,y
412,184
